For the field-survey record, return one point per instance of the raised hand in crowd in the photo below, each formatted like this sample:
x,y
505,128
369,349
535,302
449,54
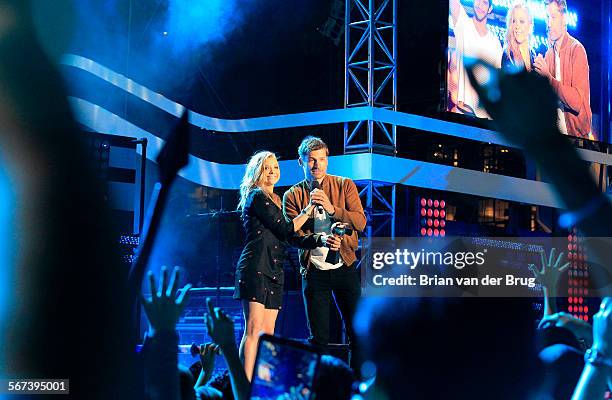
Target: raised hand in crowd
x,y
523,107
597,373
548,276
160,350
552,270
221,329
165,307
208,354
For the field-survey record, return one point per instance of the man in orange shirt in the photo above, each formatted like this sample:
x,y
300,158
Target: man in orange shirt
x,y
338,200
566,66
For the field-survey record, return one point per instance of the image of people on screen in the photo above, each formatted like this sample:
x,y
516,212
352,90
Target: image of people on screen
x,y
566,66
504,37
517,50
474,39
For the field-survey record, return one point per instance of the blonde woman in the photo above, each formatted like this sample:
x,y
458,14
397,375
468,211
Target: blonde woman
x,y
259,274
517,51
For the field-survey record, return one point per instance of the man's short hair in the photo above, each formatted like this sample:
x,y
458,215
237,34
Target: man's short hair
x,y
562,4
311,143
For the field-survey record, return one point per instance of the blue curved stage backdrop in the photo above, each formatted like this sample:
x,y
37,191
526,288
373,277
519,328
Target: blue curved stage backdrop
x,y
358,167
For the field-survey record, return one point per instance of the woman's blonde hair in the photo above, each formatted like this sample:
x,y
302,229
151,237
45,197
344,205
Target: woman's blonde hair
x,y
252,175
511,47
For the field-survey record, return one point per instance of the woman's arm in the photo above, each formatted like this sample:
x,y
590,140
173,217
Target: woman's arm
x,y
272,217
302,217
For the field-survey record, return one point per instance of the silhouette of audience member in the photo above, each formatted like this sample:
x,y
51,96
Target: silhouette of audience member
x,y
562,337
210,393
524,108
597,374
186,383
204,369
207,353
162,378
221,329
436,348
549,276
222,383
335,378
68,301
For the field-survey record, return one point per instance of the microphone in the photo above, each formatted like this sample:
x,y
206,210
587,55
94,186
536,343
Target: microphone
x,y
316,185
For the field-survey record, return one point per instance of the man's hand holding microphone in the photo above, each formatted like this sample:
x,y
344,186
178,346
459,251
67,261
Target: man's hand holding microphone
x,y
319,198
322,203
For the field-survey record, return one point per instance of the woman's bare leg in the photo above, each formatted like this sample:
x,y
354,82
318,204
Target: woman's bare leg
x,y
254,316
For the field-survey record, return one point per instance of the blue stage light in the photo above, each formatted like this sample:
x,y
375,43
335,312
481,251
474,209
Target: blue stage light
x,y
7,244
196,23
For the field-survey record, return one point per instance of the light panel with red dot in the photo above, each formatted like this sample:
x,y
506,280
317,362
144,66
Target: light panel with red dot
x,y
433,217
578,277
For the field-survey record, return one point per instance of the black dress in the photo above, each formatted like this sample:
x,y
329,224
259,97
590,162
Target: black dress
x,y
259,273
507,62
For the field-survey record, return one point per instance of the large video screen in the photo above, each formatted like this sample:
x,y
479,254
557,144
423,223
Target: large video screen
x,y
560,40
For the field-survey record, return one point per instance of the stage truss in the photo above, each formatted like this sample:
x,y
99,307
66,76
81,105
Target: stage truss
x,y
371,80
370,72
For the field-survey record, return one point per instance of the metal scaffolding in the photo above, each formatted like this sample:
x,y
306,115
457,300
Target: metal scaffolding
x,y
370,46
370,72
379,198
